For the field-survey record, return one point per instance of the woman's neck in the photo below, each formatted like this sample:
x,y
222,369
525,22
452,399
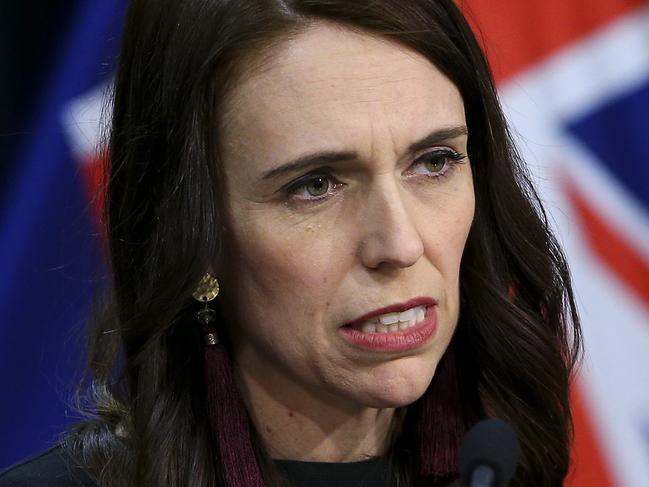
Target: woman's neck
x,y
299,425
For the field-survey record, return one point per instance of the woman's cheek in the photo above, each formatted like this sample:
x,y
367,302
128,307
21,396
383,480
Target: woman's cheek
x,y
281,265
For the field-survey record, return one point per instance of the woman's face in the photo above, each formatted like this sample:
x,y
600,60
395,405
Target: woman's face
x,y
378,217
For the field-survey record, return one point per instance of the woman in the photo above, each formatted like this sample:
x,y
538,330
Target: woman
x,y
334,182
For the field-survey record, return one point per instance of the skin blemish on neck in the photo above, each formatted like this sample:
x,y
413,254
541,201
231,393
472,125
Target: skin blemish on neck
x,y
291,413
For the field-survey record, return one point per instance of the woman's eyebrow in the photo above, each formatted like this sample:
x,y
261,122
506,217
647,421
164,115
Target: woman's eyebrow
x,y
437,137
328,157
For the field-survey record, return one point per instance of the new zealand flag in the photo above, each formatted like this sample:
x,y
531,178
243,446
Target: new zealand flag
x,y
50,254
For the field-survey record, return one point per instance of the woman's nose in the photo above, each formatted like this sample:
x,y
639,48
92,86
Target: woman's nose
x,y
390,234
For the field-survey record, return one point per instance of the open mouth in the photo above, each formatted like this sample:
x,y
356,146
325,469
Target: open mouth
x,y
392,322
395,331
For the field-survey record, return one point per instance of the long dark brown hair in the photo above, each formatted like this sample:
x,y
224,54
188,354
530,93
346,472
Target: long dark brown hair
x,y
518,339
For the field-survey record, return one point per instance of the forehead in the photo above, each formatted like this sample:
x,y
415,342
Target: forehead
x,y
329,83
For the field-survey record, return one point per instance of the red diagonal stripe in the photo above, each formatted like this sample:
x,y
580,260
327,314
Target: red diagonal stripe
x,y
93,172
518,33
588,464
614,251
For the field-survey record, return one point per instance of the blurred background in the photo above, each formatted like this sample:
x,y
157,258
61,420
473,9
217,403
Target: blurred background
x,y
573,78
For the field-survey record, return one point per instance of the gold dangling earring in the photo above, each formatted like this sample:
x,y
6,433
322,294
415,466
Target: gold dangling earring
x,y
228,417
206,291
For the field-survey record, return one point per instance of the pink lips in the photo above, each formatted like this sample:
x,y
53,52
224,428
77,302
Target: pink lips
x,y
408,339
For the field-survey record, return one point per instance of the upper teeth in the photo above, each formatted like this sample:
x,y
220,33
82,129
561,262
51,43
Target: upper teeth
x,y
408,315
394,322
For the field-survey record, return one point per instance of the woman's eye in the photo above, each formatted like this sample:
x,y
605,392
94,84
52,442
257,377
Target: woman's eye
x,y
317,186
438,163
313,188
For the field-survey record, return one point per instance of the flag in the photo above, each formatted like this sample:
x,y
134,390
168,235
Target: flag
x,y
573,78
49,258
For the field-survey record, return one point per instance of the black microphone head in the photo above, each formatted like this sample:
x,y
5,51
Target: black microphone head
x,y
493,443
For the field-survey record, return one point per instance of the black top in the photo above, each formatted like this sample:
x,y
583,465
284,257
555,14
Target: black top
x,y
53,468
368,473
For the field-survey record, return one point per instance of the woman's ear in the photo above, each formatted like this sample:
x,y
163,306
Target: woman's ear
x,y
218,266
216,263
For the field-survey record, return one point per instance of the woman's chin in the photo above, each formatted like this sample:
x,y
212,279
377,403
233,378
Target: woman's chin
x,y
397,387
394,401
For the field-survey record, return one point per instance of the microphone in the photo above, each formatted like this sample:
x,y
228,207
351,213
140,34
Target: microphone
x,y
489,454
